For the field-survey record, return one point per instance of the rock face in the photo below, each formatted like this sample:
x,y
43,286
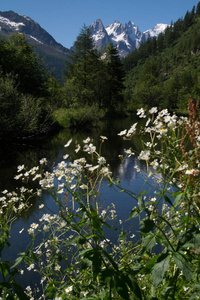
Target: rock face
x,y
126,37
99,34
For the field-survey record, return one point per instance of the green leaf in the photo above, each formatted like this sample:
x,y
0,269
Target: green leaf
x,y
83,252
146,225
96,263
110,259
20,292
178,198
134,287
141,203
85,263
78,239
183,264
121,286
167,199
149,265
149,241
4,268
135,212
17,261
160,268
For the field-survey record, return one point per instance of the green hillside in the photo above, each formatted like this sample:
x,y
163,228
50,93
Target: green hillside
x,y
165,71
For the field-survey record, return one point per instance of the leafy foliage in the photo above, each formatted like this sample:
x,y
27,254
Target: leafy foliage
x,y
165,71
27,93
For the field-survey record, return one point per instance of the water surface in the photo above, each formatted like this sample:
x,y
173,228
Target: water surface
x,y
52,148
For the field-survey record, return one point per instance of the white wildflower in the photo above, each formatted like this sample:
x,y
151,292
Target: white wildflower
x,y
18,176
78,148
103,137
141,113
131,130
129,152
65,156
91,169
31,267
154,164
147,123
20,168
105,171
123,132
68,143
84,187
144,155
36,177
57,268
153,110
5,192
68,289
190,172
153,199
43,161
103,213
89,148
101,160
86,141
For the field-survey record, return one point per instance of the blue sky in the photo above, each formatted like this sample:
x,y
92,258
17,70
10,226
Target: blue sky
x,y
63,19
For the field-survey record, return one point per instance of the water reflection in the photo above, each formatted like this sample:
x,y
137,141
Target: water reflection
x,y
53,149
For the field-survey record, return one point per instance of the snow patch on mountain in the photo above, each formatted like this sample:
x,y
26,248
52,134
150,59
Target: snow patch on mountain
x,y
156,30
32,37
10,23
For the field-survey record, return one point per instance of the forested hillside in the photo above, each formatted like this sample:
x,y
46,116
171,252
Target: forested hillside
x,y
32,101
164,72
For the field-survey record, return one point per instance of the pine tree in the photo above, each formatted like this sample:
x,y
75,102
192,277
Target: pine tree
x,y
83,65
198,9
115,73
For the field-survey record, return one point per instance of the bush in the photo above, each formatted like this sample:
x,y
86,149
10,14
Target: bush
x,y
9,106
86,116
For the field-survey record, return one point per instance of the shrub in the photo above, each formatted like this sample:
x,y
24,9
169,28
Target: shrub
x,y
77,117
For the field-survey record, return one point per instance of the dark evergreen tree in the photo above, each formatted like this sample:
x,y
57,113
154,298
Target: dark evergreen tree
x,y
198,9
82,67
168,36
116,75
188,19
178,28
160,42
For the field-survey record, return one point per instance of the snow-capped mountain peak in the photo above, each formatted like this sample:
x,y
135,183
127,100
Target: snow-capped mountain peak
x,y
156,30
126,36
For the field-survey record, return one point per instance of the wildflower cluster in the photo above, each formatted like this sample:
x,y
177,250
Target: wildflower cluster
x,y
172,156
76,259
